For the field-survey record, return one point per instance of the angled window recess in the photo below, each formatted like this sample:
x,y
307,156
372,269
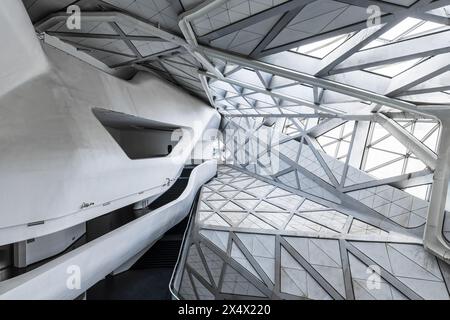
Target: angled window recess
x,y
139,138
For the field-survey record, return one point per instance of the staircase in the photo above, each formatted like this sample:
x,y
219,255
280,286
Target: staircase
x,y
149,277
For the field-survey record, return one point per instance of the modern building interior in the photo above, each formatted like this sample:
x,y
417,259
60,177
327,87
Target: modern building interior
x,y
225,149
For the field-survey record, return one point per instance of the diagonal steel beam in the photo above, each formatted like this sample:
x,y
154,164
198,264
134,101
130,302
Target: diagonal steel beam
x,y
391,12
352,45
367,117
408,140
324,127
278,27
127,19
155,56
434,18
385,6
433,239
436,84
402,181
270,93
92,48
385,274
322,36
258,17
430,45
316,81
177,5
418,74
108,17
61,34
398,14
311,271
204,82
124,38
357,146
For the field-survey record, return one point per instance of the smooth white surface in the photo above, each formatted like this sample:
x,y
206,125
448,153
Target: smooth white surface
x,y
26,253
102,256
21,55
55,155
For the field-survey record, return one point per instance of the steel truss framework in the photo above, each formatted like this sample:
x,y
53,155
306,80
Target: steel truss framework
x,y
253,239
296,159
354,111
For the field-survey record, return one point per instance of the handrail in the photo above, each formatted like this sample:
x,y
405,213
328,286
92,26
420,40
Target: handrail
x,y
182,247
98,258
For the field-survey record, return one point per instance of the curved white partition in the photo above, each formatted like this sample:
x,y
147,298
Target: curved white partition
x,y
56,156
93,261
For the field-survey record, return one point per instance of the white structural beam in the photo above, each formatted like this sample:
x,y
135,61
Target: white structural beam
x,y
107,17
436,84
349,47
402,181
62,34
197,12
204,82
315,81
278,27
420,73
301,115
119,17
156,56
254,88
184,24
354,27
408,140
433,239
358,147
425,46
324,127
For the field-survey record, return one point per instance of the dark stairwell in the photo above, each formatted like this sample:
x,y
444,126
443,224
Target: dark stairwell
x,y
149,277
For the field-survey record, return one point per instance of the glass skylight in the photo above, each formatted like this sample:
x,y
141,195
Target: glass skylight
x,y
394,69
290,128
336,142
427,131
422,192
408,28
386,157
401,29
320,49
443,11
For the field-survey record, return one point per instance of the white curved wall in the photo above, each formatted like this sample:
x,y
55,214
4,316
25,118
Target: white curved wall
x,y
54,153
103,255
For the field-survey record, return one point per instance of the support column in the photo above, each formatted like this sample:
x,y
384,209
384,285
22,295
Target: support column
x,y
356,153
433,237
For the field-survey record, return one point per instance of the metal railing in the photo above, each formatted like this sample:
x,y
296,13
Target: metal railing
x,y
183,250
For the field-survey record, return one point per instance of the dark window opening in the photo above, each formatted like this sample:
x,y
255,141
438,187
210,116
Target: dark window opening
x,y
139,138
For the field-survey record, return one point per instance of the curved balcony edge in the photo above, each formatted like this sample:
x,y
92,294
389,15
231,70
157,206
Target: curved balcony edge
x,y
72,274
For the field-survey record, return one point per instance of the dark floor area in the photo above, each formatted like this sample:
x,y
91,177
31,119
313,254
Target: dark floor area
x,y
149,277
145,284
